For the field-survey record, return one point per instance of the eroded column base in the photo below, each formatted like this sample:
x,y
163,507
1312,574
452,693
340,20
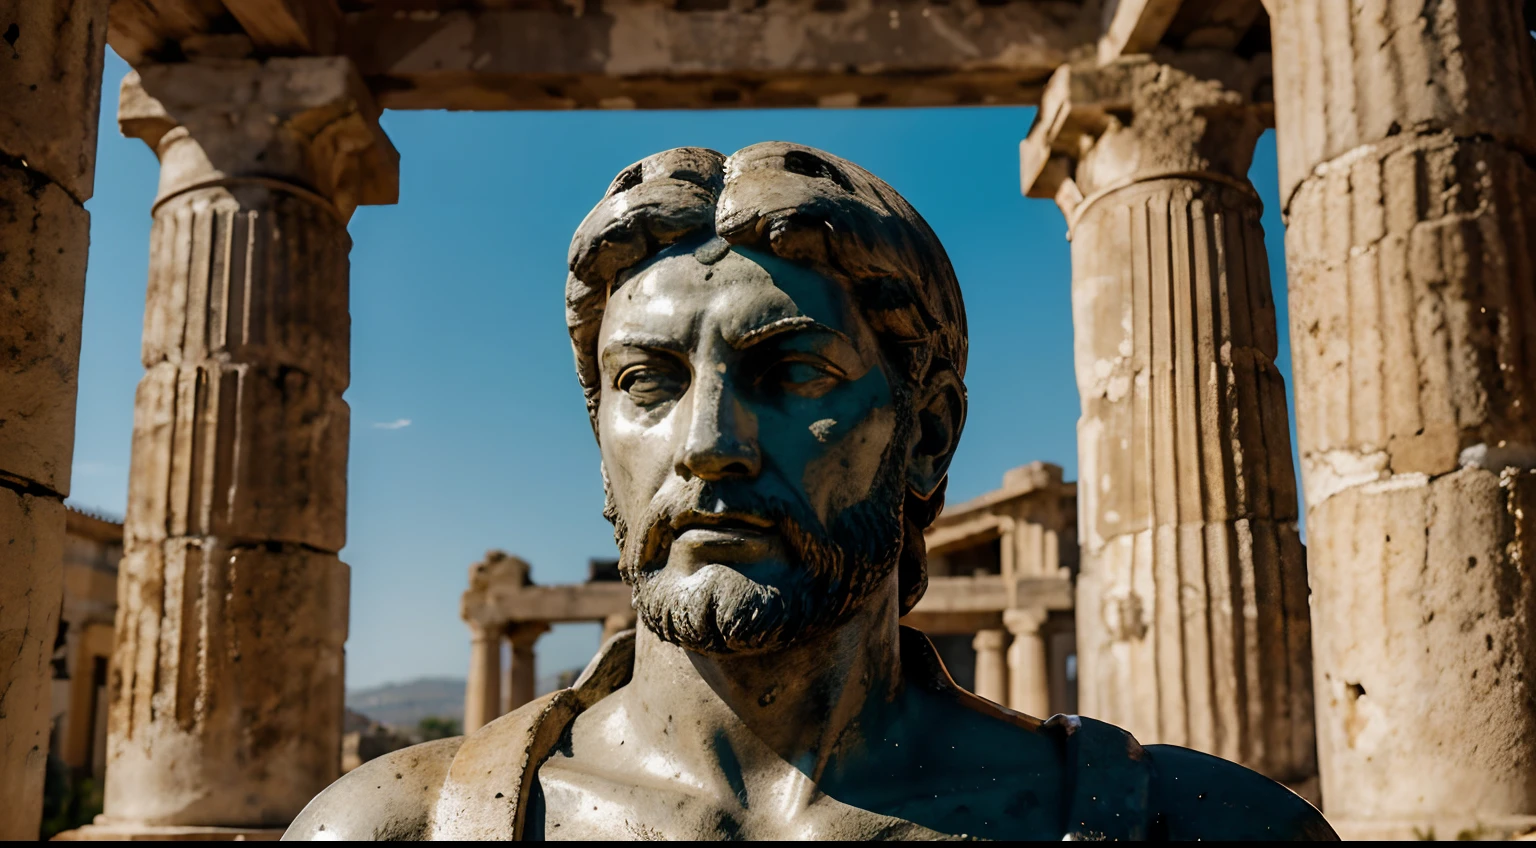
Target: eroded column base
x,y
128,832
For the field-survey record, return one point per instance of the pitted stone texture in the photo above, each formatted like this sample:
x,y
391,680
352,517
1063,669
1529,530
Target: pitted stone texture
x,y
1404,129
309,122
227,683
1174,350
243,452
43,238
50,89
1354,73
1425,666
31,584
1413,311
1198,635
1193,627
249,274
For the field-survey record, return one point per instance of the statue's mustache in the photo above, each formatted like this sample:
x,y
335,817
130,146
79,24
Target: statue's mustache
x,y
698,501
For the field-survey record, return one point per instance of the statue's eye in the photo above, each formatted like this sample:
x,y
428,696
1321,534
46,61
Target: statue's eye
x,y
801,377
650,384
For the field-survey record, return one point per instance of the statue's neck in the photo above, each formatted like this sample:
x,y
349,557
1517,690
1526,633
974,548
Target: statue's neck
x,y
798,702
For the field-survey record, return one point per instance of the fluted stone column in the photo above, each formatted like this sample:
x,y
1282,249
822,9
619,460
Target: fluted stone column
x,y
482,691
1028,667
991,665
227,679
50,92
1406,136
522,674
1192,608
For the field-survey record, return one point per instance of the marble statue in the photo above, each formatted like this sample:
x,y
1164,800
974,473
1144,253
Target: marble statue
x,y
772,346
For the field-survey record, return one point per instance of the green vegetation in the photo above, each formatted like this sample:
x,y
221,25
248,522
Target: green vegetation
x,y
438,727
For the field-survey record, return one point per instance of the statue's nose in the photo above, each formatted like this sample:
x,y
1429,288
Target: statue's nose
x,y
721,440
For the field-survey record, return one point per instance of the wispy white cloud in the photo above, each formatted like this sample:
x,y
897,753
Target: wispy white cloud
x,y
397,424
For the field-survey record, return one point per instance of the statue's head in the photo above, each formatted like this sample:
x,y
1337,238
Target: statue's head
x,y
772,347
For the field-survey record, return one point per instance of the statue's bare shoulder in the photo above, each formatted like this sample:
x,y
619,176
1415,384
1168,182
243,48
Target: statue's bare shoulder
x,y
390,798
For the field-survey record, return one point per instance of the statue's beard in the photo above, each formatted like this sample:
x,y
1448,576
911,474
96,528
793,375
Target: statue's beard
x,y
719,610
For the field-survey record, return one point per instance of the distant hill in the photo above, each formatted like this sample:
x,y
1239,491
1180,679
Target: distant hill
x,y
403,705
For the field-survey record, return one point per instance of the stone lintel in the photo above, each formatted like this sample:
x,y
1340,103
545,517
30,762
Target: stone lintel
x,y
308,122
278,27
1136,26
781,53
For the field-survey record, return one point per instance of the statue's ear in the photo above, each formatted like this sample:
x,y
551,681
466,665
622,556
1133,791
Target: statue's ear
x,y
940,411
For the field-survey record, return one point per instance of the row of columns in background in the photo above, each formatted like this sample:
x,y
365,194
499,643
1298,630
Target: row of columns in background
x,y
1405,136
1012,666
485,699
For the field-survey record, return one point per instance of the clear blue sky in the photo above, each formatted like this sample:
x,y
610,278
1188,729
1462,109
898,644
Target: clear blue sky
x,y
458,327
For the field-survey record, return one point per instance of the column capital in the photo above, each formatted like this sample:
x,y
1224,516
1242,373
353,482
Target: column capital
x,y
524,634
301,123
989,640
1023,621
1104,127
481,632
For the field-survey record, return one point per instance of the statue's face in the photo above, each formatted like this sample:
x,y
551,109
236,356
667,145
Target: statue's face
x,y
754,445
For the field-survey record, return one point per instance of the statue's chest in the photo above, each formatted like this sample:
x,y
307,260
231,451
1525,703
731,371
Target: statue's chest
x,y
572,805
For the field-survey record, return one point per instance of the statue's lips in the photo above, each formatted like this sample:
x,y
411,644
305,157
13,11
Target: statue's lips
x,y
722,530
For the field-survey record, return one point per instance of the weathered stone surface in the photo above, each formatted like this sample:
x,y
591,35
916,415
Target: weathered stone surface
x,y
31,583
250,274
1413,311
1349,74
308,123
1424,651
227,689
43,238
627,54
1192,612
50,89
1404,136
238,451
227,675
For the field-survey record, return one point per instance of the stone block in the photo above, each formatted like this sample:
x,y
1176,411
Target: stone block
x,y
241,452
50,88
1363,72
1413,309
1423,610
249,274
44,234
31,585
228,683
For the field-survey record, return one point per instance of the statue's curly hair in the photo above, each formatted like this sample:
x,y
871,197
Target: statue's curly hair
x,y
804,206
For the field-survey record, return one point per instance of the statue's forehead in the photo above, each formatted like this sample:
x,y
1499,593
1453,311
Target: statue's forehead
x,y
677,295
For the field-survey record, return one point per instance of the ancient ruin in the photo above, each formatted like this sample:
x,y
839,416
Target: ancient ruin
x,y
1000,571
1405,131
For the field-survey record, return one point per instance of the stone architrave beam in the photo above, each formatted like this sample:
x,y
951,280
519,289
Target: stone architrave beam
x,y
50,92
629,54
141,29
1407,148
1192,596
1134,26
277,27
